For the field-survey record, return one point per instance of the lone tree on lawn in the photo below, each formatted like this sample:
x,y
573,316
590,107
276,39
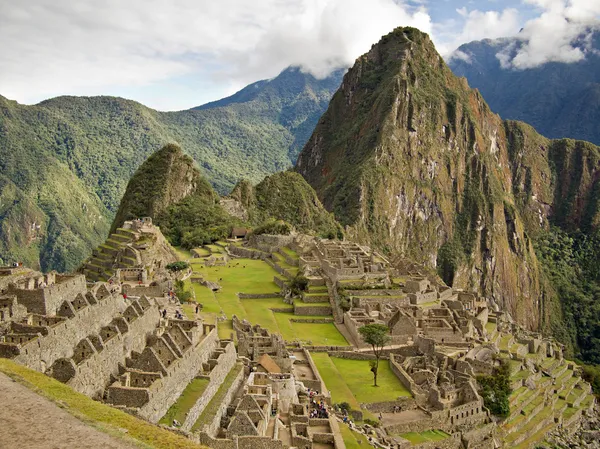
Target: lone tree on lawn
x,y
377,336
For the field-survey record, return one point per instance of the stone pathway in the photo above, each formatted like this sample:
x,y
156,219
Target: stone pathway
x,y
32,421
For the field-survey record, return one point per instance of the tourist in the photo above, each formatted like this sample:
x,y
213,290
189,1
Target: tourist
x,y
197,308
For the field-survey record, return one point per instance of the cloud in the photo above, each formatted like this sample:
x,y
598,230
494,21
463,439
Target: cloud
x,y
52,47
478,25
561,33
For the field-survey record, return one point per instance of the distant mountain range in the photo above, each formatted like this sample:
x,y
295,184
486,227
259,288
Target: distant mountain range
x,y
557,99
65,162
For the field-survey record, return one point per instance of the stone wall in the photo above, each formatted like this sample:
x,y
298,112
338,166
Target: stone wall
x,y
92,375
155,291
400,404
40,353
164,392
215,424
47,300
217,375
247,253
257,295
307,309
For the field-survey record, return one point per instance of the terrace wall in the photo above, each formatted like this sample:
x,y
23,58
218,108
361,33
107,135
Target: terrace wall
x,y
217,375
92,374
41,352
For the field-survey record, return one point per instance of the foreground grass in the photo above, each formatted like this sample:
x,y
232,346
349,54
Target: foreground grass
x,y
96,414
357,375
186,401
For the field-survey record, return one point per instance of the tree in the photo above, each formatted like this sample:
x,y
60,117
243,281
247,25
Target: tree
x,y
183,294
376,335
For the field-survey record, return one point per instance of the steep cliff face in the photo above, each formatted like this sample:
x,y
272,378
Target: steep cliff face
x,y
165,178
412,160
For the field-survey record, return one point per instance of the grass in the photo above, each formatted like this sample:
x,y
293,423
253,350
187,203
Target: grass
x,y
182,254
353,440
209,412
202,252
256,277
96,414
290,252
424,437
351,381
215,249
186,401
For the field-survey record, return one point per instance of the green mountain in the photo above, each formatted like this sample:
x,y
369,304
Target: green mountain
x,y
413,161
169,188
558,99
65,162
282,196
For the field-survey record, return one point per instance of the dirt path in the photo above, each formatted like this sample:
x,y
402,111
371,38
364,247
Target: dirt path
x,y
31,421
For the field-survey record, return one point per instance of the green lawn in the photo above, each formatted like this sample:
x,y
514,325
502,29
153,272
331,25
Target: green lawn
x,y
352,381
353,440
182,254
290,252
186,401
215,249
202,252
256,277
101,416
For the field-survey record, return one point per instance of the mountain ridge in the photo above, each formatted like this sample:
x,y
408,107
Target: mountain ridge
x,y
560,100
96,143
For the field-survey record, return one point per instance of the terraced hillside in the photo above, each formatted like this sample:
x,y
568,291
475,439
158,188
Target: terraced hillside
x,y
547,392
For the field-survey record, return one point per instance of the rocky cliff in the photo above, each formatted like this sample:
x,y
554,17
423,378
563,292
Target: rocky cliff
x,y
412,160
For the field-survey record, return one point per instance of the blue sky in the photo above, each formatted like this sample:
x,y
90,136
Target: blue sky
x,y
177,54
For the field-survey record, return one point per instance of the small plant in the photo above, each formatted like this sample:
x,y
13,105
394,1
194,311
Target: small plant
x,y
495,390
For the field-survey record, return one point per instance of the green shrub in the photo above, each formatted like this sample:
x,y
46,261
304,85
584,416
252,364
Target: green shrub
x,y
178,266
495,390
274,227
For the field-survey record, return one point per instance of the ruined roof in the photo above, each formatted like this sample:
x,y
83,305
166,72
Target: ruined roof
x,y
269,364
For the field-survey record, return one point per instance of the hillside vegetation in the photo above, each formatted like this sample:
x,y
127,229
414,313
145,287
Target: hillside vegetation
x,y
65,163
169,188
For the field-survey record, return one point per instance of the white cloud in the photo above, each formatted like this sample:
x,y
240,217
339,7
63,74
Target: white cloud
x,y
52,47
552,36
480,25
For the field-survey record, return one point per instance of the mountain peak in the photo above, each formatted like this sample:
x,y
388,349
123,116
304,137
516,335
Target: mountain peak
x,y
165,178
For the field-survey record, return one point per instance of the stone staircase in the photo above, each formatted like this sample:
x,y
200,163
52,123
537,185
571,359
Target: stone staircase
x,y
114,253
